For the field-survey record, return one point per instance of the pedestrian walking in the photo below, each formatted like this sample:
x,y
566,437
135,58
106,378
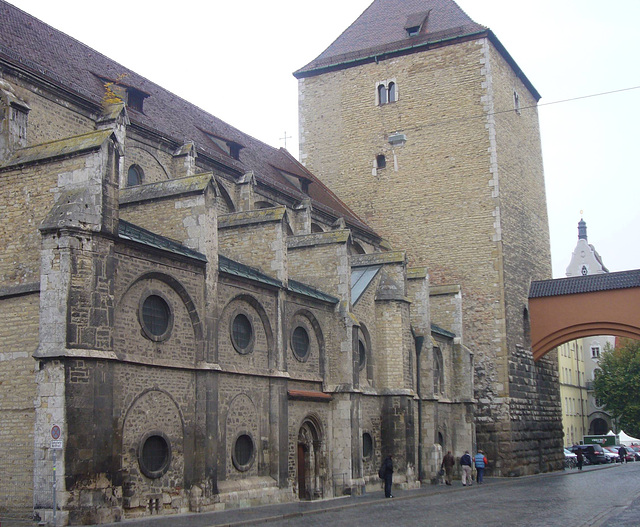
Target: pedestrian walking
x,y
386,473
481,462
622,452
448,462
579,458
465,464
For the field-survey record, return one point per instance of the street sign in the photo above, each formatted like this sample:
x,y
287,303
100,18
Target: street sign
x,y
55,432
56,444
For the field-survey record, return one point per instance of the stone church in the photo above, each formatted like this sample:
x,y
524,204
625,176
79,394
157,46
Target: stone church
x,y
192,320
420,119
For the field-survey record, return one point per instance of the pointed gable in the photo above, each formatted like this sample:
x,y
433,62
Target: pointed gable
x,y
392,25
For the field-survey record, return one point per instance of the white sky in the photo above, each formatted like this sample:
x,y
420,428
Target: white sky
x,y
235,60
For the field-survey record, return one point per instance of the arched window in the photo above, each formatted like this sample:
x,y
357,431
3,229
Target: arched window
x,y
135,176
382,94
367,445
392,92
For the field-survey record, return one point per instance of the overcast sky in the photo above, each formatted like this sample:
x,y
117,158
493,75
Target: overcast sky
x,y
235,60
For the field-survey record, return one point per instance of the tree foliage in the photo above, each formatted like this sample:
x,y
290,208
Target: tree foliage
x,y
617,385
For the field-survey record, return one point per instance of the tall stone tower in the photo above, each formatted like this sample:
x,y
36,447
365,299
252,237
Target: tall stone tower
x,y
423,123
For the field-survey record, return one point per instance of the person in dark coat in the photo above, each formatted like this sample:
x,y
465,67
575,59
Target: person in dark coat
x,y
447,464
579,458
465,463
622,452
387,472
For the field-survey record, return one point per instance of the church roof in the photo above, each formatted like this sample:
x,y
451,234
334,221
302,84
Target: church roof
x,y
385,25
34,47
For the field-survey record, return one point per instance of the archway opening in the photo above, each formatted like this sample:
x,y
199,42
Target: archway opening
x,y
309,459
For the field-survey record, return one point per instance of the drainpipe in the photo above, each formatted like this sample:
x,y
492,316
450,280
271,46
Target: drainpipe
x,y
419,342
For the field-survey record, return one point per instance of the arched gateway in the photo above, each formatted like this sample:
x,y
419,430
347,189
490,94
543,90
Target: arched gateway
x,y
309,460
581,306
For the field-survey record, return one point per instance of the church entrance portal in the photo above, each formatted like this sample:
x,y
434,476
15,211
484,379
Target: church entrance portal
x,y
309,461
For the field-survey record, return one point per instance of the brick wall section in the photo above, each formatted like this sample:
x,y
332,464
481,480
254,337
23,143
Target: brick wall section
x,y
446,308
164,217
535,410
322,335
321,260
50,118
155,162
19,236
18,341
258,359
255,238
180,285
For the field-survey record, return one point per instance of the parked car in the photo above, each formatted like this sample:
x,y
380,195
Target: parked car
x,y
594,454
636,450
612,454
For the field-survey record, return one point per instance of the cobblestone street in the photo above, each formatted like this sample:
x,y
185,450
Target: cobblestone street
x,y
594,497
598,496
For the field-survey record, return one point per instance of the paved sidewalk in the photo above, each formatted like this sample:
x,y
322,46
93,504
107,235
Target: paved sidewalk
x,y
283,511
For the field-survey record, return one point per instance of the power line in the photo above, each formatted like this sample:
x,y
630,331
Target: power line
x,y
578,98
498,112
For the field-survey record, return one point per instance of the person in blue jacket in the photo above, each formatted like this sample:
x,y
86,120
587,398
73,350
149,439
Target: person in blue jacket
x,y
480,462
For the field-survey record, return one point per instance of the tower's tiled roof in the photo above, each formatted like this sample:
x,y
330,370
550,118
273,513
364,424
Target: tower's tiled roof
x,y
585,284
382,28
33,46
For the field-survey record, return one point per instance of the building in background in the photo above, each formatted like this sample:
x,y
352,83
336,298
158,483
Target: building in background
x,y
420,119
585,260
573,391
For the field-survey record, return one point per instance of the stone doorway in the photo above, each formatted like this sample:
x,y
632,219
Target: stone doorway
x,y
309,461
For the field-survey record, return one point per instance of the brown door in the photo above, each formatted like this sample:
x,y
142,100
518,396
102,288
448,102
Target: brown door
x,y
302,488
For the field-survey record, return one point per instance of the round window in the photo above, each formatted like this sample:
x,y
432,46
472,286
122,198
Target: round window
x,y
154,455
367,445
156,317
300,343
243,452
242,334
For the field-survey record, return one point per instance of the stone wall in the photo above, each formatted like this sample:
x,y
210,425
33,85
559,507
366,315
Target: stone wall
x,y
18,342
